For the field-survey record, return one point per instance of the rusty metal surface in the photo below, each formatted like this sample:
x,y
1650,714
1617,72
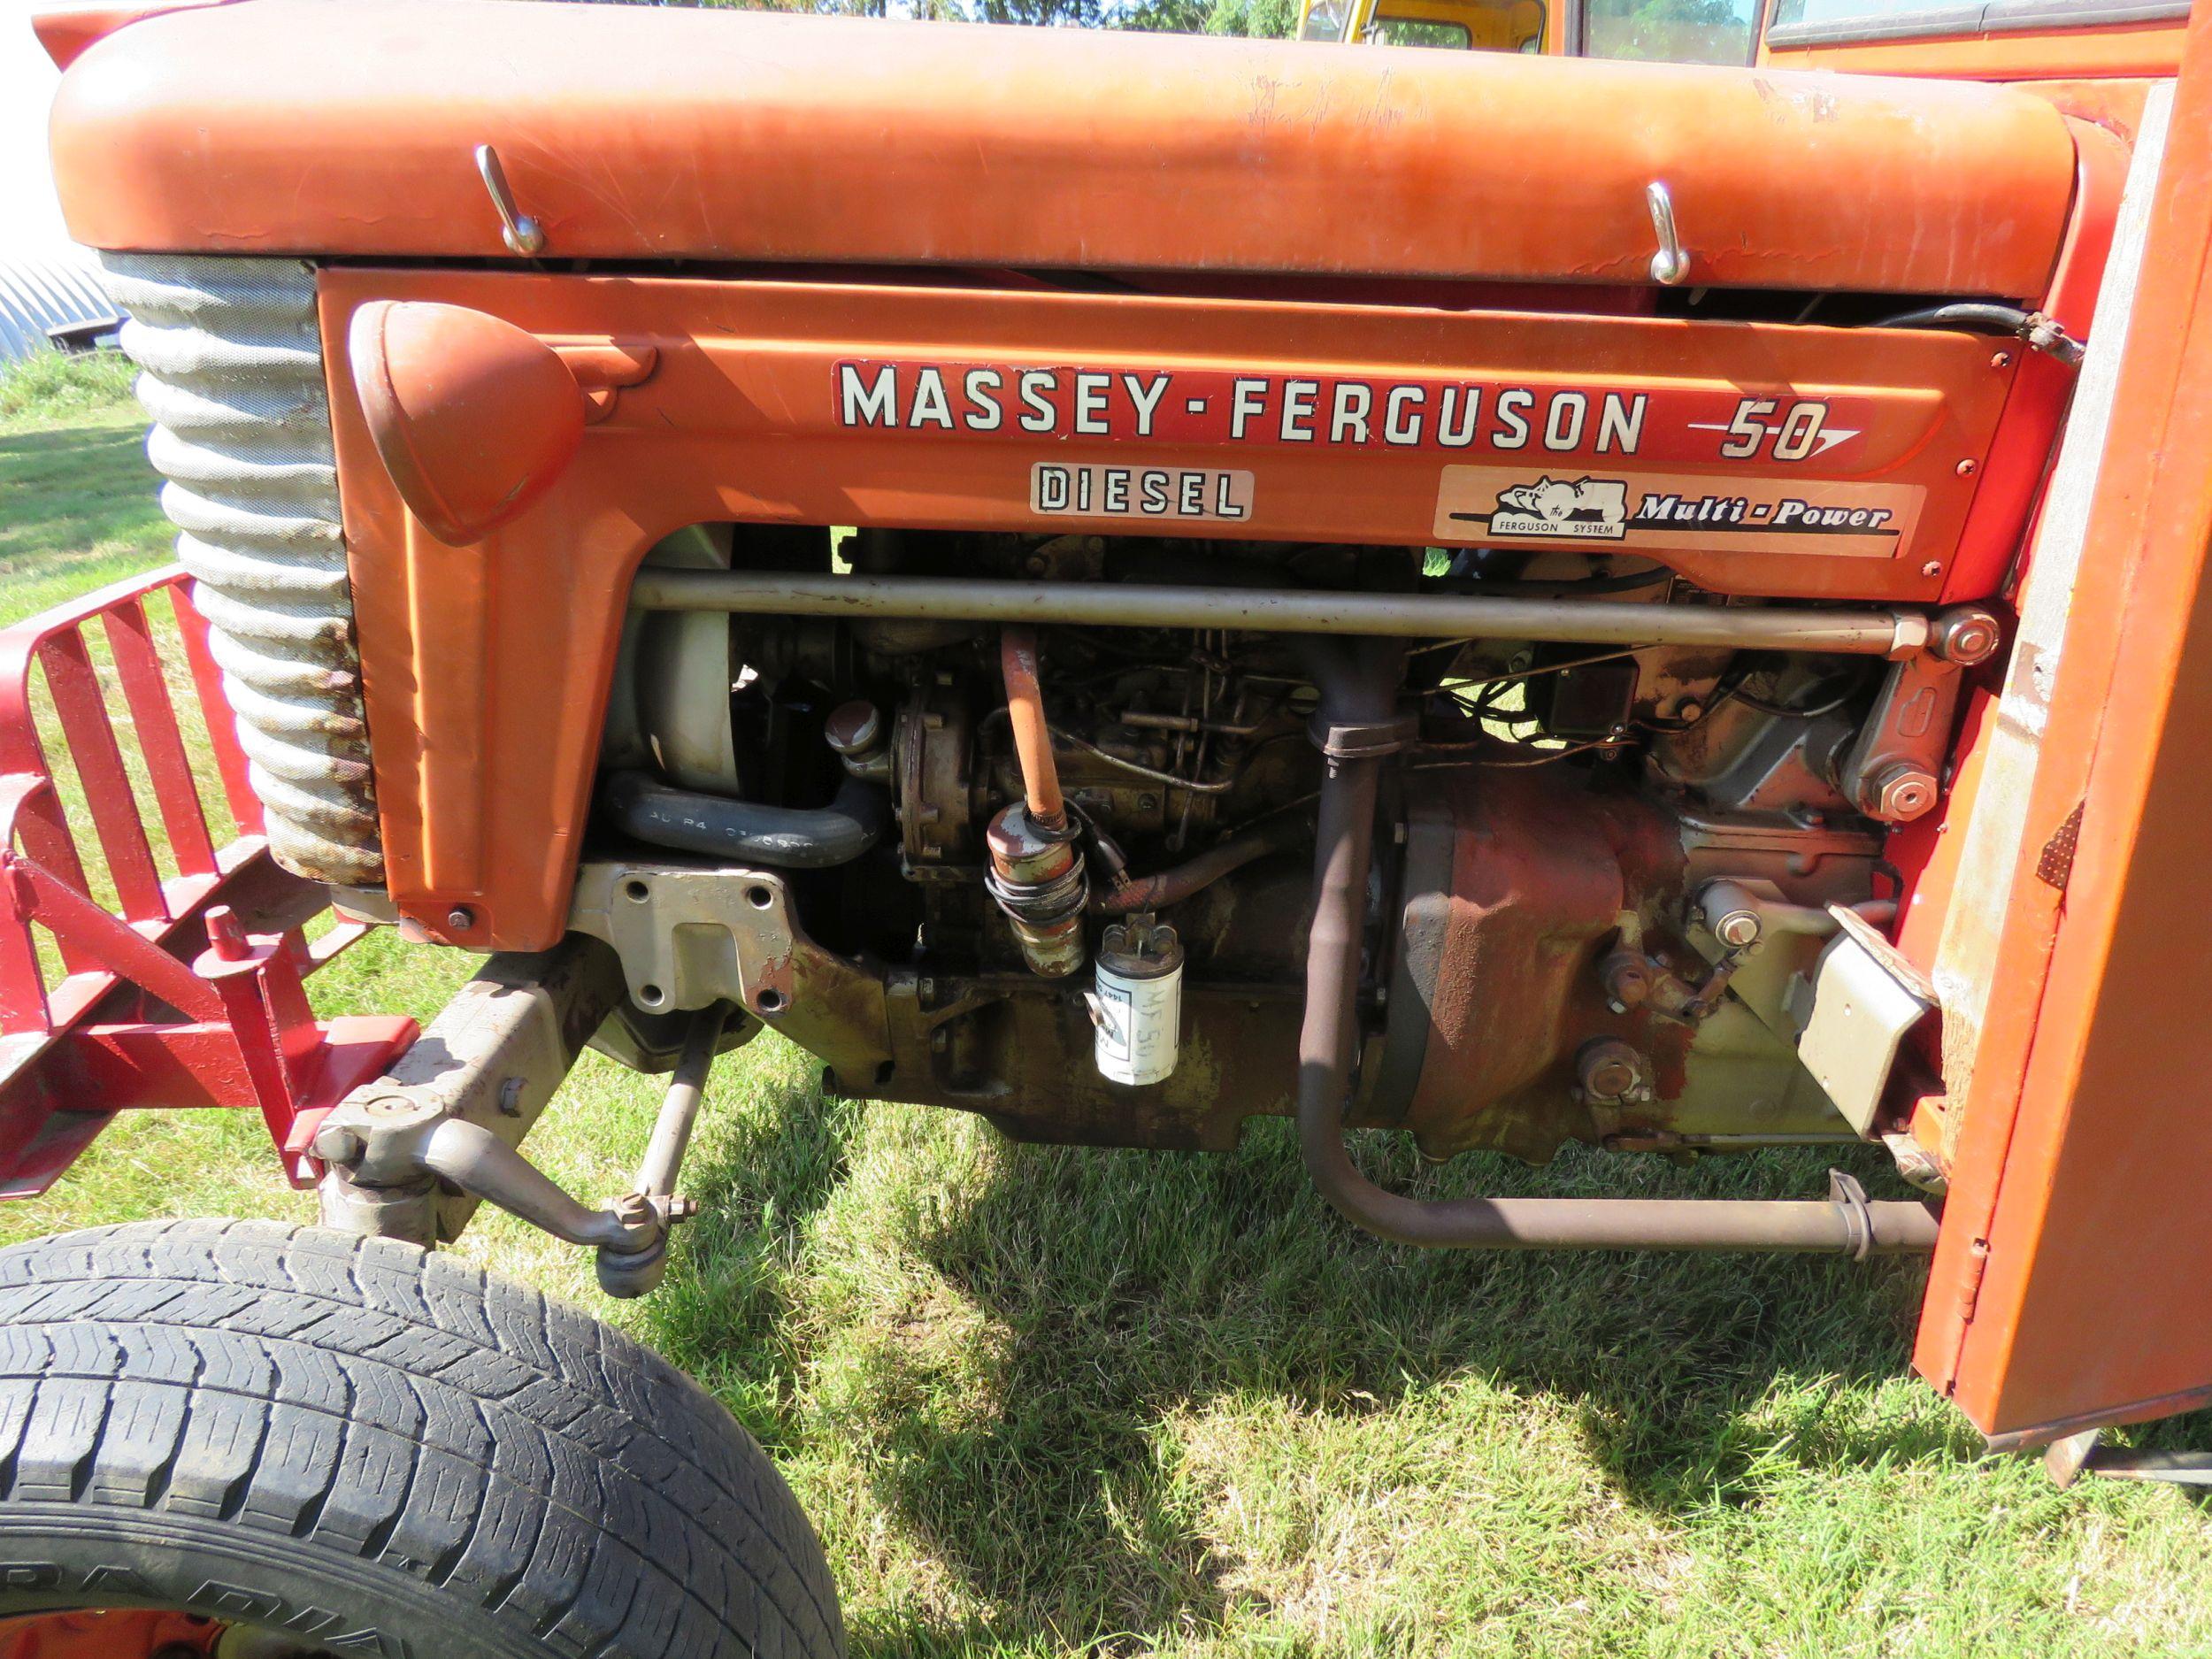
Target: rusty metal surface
x,y
1000,1045
1540,871
932,741
1358,689
1546,871
2055,864
688,936
1518,887
1016,1049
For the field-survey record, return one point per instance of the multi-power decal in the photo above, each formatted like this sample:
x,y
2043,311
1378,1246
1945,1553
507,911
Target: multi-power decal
x,y
1768,514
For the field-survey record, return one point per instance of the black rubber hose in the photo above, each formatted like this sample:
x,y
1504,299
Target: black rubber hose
x,y
789,838
1359,688
1986,317
2009,319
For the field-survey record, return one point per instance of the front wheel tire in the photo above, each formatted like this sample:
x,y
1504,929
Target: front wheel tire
x,y
343,1446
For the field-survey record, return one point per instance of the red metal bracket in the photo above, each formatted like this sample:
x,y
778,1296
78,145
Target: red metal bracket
x,y
188,992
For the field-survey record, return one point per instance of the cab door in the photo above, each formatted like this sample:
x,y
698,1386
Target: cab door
x,y
2073,1283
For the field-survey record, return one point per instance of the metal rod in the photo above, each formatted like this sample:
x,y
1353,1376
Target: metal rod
x,y
484,1166
680,1107
1862,632
2086,1454
1173,887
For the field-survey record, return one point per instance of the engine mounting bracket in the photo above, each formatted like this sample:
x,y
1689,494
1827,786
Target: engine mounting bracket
x,y
688,937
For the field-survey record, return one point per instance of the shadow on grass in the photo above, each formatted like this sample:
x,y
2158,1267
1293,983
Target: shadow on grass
x,y
728,1312
1115,1289
1135,1286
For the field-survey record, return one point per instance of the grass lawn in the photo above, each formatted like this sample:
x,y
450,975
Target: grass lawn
x,y
1053,1402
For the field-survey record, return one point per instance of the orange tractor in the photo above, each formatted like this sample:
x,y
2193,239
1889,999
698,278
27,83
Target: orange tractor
x,y
1117,583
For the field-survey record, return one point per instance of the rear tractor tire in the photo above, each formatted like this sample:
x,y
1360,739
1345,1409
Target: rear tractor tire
x,y
241,1440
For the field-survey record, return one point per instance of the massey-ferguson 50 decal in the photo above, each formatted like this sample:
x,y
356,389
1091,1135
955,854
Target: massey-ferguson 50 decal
x,y
1573,455
1197,406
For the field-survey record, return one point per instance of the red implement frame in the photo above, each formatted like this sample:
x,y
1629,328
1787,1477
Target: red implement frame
x,y
188,992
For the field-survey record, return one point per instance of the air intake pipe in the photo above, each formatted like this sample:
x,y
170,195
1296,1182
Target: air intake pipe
x,y
1356,726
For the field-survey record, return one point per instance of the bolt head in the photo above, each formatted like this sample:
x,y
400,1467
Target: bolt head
x,y
1968,468
1609,1070
1627,980
1933,567
1902,792
1974,644
1610,1080
1967,636
2000,359
334,1144
460,918
682,1209
1737,929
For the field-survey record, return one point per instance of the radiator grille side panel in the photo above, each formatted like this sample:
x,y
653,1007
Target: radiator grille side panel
x,y
233,378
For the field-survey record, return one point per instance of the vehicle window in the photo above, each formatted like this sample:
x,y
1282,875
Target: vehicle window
x,y
1482,25
1676,31
1326,20
1811,22
1421,32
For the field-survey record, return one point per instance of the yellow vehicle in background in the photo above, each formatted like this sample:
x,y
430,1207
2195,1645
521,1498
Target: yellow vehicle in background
x,y
1679,30
1486,26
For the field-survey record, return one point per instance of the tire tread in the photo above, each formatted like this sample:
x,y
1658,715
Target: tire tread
x,y
368,1399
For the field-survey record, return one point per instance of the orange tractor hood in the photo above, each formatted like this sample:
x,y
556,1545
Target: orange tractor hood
x,y
299,126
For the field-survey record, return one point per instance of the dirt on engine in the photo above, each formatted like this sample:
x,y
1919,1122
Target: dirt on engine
x,y
1536,967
